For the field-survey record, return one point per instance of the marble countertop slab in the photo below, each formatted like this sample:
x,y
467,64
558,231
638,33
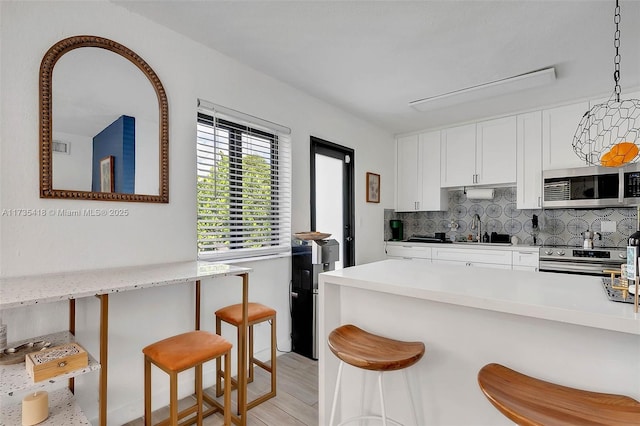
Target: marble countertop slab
x,y
573,299
46,288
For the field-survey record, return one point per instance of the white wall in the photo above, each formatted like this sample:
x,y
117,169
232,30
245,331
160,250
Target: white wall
x,y
152,233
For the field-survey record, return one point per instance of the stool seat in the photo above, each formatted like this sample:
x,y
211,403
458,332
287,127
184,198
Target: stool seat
x,y
185,350
233,314
175,354
256,313
530,401
372,352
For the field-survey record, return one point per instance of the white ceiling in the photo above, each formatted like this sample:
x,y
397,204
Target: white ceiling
x,y
373,57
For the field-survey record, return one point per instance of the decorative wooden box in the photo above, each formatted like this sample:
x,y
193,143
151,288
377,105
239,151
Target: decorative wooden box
x,y
58,360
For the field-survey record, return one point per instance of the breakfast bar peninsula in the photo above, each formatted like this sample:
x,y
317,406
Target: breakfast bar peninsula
x,y
556,327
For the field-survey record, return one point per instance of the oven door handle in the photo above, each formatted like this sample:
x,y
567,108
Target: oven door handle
x,y
579,268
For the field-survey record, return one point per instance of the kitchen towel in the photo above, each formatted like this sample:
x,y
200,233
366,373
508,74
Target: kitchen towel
x,y
480,193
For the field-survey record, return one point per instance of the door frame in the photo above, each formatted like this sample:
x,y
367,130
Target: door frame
x,y
330,149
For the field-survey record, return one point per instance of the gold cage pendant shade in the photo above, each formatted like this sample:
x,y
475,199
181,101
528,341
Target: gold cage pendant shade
x,y
609,133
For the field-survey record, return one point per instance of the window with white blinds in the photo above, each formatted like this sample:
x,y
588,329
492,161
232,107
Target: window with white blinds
x,y
244,186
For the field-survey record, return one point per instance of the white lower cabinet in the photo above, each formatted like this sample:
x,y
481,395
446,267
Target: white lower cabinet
x,y
410,252
526,260
488,258
467,263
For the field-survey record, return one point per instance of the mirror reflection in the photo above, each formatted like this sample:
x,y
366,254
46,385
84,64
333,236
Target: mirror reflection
x,y
104,124
103,106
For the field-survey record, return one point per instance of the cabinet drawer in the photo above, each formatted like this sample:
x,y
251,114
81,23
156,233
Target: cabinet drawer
x,y
473,255
525,258
409,251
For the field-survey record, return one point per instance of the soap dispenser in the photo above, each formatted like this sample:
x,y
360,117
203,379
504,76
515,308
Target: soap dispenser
x,y
485,238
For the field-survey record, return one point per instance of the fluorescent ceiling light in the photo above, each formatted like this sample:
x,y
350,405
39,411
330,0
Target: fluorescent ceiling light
x,y
487,90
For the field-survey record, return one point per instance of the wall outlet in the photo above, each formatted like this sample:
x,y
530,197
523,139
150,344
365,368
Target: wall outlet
x,y
608,226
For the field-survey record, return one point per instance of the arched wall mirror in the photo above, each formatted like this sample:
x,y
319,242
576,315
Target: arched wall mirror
x,y
104,124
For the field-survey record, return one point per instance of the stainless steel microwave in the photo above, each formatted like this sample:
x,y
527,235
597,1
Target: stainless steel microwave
x,y
631,184
585,187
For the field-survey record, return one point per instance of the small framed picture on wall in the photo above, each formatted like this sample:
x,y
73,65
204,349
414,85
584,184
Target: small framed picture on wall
x,y
106,174
373,188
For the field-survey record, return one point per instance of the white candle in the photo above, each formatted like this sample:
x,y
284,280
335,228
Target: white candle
x,y
3,337
35,408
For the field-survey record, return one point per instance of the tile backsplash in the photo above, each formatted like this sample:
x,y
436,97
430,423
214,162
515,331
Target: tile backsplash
x,y
556,226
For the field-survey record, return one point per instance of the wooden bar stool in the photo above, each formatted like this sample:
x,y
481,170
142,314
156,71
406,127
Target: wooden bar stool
x,y
530,401
361,349
176,354
257,313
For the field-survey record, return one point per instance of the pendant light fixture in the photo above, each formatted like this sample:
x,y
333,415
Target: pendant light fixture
x,y
609,133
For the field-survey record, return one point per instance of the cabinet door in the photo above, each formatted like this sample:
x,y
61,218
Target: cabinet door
x,y
407,173
496,151
529,161
458,156
528,259
432,196
409,252
559,125
525,268
473,255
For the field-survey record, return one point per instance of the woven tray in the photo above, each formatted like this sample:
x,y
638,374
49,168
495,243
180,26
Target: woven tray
x,y
311,235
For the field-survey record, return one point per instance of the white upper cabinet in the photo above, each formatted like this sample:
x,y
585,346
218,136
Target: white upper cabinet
x,y
558,128
496,151
529,160
458,156
418,173
407,173
433,197
479,154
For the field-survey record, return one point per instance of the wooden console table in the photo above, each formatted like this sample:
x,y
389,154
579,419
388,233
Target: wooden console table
x,y
16,292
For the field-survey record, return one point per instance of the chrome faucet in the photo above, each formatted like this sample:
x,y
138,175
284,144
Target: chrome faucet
x,y
477,224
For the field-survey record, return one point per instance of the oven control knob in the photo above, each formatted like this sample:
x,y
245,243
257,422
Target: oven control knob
x,y
548,252
622,255
560,252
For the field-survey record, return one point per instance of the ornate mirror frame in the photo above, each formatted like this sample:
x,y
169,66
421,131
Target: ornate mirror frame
x,y
46,95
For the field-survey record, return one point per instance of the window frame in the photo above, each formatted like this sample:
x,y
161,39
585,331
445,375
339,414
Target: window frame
x,y
239,132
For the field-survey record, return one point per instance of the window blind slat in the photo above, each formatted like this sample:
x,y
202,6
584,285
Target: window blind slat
x,y
244,189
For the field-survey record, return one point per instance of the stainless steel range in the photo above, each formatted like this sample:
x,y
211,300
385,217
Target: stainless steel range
x,y
577,260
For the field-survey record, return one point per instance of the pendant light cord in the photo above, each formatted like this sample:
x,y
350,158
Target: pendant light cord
x,y
616,59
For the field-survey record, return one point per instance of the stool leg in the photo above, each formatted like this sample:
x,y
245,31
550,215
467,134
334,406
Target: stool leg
x,y
384,413
363,392
227,388
274,344
413,405
147,391
239,367
250,379
218,362
335,394
199,394
173,398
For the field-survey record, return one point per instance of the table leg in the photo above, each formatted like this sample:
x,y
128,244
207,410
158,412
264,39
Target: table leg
x,y
242,348
72,330
197,305
104,340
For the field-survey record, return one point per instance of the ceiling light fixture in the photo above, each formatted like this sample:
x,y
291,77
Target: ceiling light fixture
x,y
608,134
487,90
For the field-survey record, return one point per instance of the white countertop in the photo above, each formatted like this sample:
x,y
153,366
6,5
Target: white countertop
x,y
33,289
457,245
573,299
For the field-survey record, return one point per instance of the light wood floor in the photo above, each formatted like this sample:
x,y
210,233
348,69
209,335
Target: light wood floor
x,y
296,403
